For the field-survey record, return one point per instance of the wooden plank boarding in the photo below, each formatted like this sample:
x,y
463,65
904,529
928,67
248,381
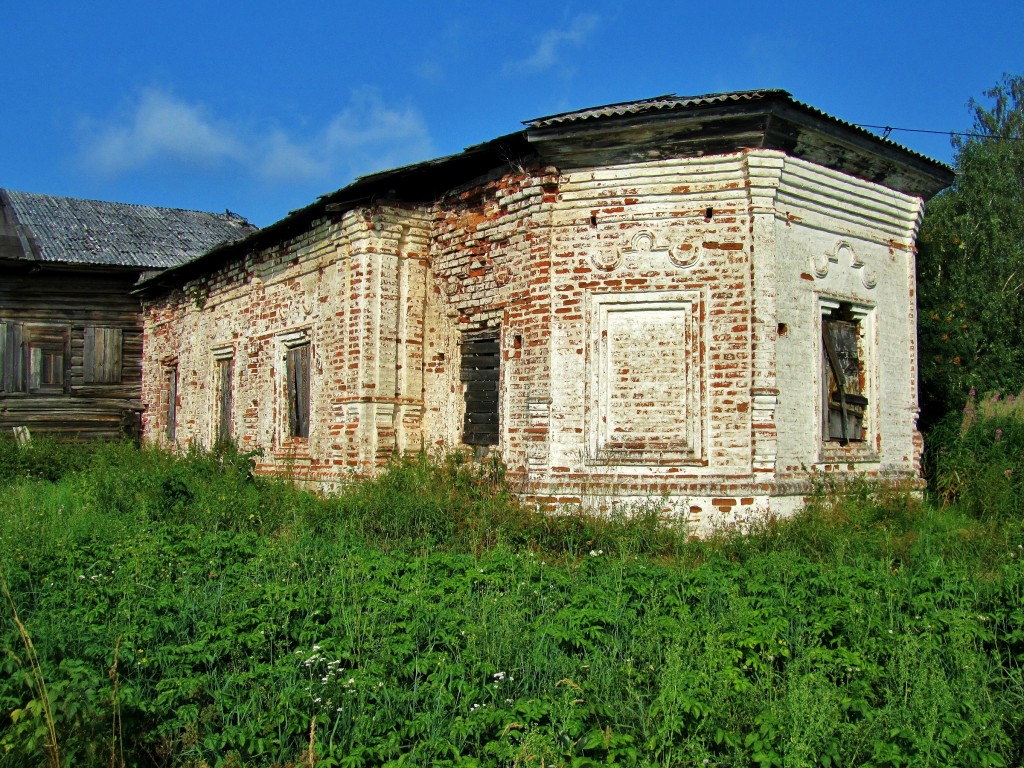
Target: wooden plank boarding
x,y
172,401
225,368
102,353
480,372
297,364
12,357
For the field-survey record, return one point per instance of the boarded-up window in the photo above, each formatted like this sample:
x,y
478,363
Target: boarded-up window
x,y
102,355
480,373
171,390
297,386
47,347
843,392
12,356
225,369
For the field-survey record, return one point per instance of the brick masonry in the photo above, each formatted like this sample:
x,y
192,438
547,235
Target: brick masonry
x,y
660,325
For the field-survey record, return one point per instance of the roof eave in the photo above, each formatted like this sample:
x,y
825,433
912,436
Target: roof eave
x,y
418,182
769,119
926,176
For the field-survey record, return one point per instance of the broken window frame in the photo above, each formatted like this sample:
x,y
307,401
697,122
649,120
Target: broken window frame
x,y
46,368
480,374
846,397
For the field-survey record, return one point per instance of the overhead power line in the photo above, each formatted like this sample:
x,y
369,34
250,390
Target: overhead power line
x,y
887,129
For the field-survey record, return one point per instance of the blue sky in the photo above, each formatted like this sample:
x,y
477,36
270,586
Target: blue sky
x,y
259,107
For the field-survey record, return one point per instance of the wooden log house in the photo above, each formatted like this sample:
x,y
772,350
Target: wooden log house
x,y
70,327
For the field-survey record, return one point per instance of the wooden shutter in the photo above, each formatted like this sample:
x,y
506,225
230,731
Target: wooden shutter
x,y
170,427
480,374
12,378
102,355
225,368
297,369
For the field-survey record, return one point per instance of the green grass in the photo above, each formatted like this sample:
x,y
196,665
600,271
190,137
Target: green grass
x,y
187,613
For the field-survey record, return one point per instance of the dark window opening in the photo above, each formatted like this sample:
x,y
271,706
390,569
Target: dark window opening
x,y
480,374
845,404
47,368
297,385
225,369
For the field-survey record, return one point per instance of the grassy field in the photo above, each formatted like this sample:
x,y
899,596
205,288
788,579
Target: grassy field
x,y
177,611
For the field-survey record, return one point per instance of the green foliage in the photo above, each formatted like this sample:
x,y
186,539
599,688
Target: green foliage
x,y
42,457
422,504
971,263
187,613
642,529
976,459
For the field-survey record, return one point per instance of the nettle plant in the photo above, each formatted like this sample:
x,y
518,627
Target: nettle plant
x,y
169,629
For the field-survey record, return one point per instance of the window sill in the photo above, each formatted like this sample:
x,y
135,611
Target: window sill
x,y
851,453
660,455
293,448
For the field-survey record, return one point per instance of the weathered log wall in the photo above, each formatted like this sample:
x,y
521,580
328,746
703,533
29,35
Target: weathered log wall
x,y
70,302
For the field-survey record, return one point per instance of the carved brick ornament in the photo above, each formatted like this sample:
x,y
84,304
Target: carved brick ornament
x,y
823,261
688,253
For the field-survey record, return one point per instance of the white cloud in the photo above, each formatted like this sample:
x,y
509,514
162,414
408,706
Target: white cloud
x,y
280,158
553,43
371,127
160,130
160,127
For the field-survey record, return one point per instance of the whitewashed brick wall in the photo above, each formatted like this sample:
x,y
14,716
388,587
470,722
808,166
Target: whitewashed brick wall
x,y
660,331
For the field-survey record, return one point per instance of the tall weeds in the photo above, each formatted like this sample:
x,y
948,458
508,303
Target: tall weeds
x,y
39,705
183,611
975,461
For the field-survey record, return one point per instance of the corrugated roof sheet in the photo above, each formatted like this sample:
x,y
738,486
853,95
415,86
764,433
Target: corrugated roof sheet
x,y
422,181
667,102
670,102
72,231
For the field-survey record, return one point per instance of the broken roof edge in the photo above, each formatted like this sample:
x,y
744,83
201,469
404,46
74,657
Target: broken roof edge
x,y
666,105
15,237
423,181
668,101
419,182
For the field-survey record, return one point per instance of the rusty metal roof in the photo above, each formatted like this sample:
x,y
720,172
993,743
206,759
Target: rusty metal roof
x,y
67,230
667,102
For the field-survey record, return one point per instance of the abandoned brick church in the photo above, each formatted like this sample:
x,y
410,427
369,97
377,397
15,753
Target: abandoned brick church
x,y
703,299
